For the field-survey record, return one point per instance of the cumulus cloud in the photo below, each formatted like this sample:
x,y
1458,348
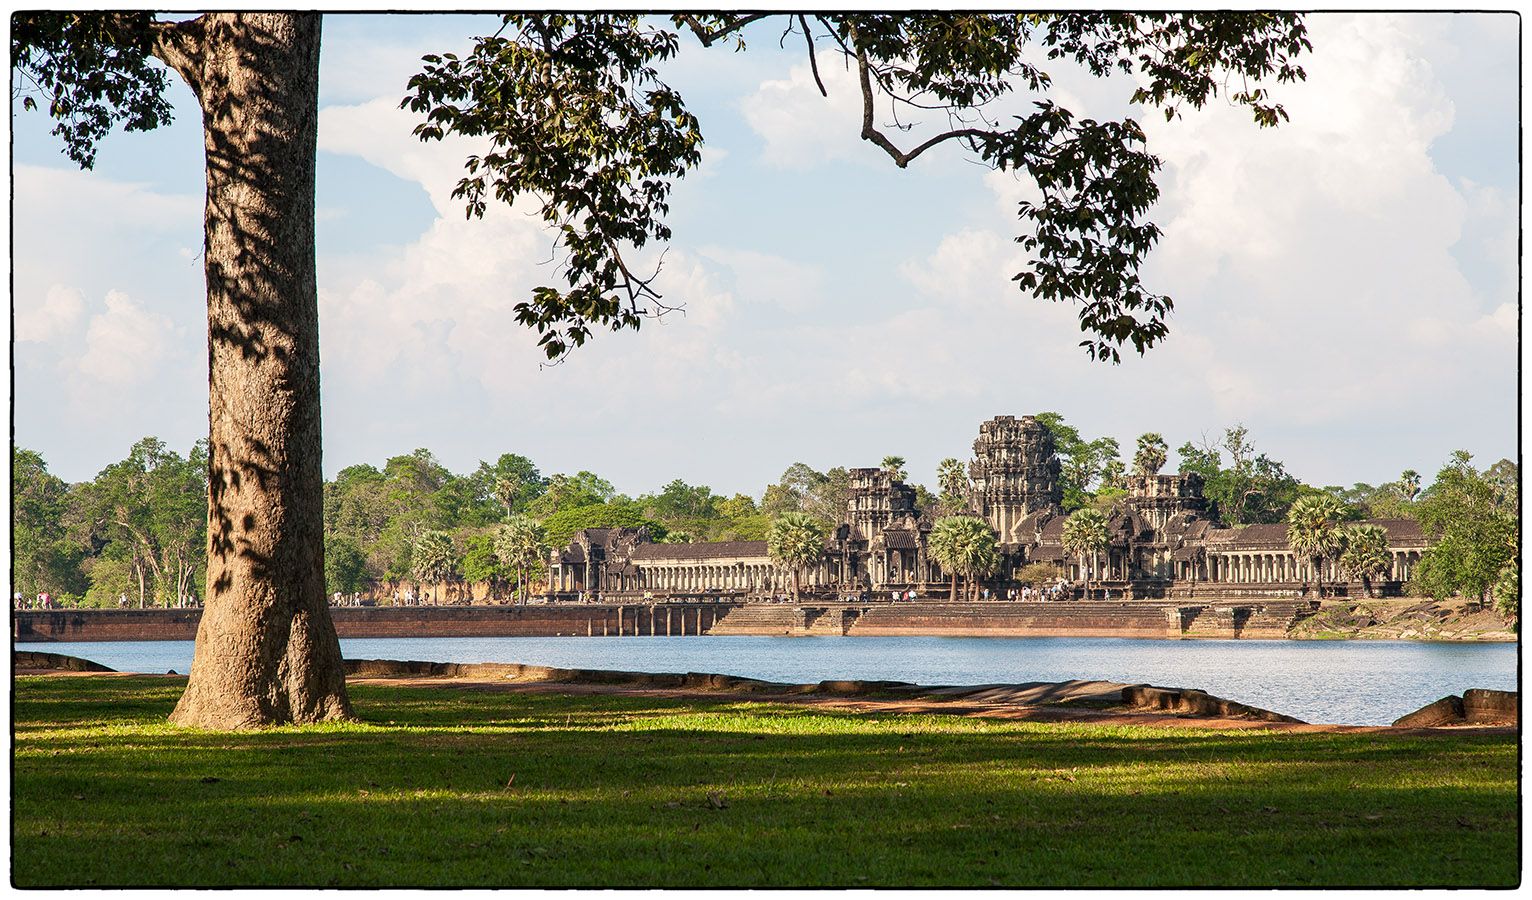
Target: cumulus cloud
x,y
125,345
1329,241
802,128
1317,268
55,317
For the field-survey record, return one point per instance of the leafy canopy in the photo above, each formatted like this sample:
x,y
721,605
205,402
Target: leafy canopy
x,y
92,71
795,540
1474,520
580,123
964,545
1085,532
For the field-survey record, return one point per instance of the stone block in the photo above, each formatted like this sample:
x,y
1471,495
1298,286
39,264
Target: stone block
x,y
1483,706
1446,711
28,659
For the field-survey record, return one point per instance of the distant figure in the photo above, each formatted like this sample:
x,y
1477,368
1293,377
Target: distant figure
x,y
19,600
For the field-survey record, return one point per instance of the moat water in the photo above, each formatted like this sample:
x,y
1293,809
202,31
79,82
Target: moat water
x,y
1343,682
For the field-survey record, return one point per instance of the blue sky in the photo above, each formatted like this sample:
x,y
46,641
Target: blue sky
x,y
1346,285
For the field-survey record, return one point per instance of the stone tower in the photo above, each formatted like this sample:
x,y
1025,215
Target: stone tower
x,y
1014,473
877,501
1159,498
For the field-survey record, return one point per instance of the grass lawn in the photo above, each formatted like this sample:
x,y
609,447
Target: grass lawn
x,y
454,786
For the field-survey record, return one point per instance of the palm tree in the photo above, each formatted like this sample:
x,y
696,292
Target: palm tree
x,y
507,489
1313,531
1151,454
1365,554
952,477
894,466
796,539
1085,532
1112,474
1409,484
434,559
521,544
964,545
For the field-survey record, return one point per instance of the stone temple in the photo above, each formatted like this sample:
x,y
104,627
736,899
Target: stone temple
x,y
1162,541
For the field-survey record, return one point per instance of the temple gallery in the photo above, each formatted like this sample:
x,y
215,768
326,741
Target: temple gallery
x,y
1163,540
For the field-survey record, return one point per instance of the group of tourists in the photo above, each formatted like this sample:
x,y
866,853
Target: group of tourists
x,y
408,598
44,600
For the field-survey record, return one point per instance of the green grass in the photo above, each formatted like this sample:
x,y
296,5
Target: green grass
x,y
636,791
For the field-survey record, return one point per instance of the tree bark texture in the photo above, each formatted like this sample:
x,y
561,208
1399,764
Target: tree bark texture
x,y
266,650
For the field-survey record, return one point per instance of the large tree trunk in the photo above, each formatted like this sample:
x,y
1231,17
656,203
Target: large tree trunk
x,y
266,650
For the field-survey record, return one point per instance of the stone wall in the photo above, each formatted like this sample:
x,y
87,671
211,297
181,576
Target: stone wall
x,y
582,620
1149,619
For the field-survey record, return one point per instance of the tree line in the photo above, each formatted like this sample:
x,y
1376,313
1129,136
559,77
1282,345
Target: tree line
x,y
138,530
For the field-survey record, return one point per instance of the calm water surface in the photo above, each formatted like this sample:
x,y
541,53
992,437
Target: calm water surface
x,y
1346,682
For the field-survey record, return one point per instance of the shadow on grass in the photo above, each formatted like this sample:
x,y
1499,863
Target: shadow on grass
x,y
455,787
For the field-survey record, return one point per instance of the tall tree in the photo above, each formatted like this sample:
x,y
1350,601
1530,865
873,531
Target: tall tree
x,y
1314,532
435,558
562,526
566,492
511,482
266,646
178,519
119,506
43,557
964,546
1085,534
521,544
266,649
1474,521
344,564
952,479
894,466
1081,462
1254,489
1151,455
796,540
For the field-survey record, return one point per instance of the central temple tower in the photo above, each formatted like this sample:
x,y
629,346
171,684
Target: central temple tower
x,y
1014,474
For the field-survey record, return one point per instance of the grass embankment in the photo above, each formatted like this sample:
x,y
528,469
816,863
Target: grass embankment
x,y
451,786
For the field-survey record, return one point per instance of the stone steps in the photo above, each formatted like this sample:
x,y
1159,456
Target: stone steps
x,y
767,618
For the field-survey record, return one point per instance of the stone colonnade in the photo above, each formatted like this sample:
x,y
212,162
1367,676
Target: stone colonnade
x,y
1267,567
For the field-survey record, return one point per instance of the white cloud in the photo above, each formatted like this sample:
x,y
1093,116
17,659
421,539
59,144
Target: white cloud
x,y
803,128
764,278
126,345
55,317
1313,267
381,133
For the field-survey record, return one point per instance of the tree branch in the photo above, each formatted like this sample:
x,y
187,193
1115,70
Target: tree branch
x,y
813,63
179,46
708,38
871,133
